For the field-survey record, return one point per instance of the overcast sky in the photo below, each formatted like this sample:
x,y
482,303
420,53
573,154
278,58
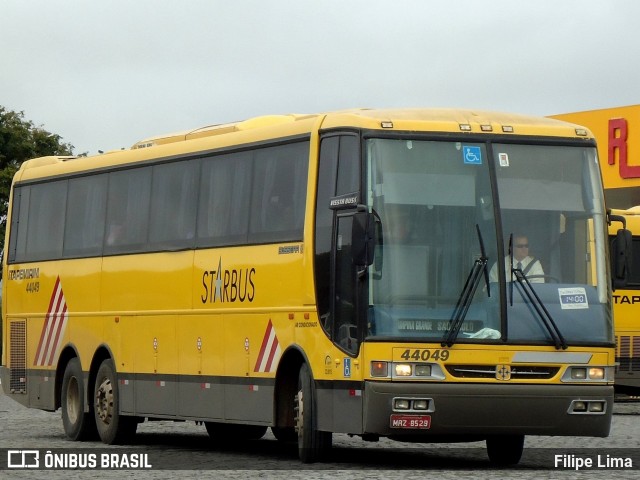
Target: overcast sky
x,y
105,74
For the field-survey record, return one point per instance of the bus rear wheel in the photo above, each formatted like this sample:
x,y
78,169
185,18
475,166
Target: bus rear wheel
x,y
312,443
77,424
285,434
505,450
113,428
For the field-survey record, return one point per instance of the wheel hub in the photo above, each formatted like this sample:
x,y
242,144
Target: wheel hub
x,y
104,401
299,409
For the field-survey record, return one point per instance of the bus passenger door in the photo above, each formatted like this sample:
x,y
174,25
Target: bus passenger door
x,y
338,193
344,286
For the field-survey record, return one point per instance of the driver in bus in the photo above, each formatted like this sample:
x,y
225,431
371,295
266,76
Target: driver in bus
x,y
399,222
529,265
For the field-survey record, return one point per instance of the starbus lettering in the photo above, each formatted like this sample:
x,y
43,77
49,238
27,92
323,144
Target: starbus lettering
x,y
228,285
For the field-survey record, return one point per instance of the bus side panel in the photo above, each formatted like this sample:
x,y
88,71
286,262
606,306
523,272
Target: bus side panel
x,y
255,292
156,365
200,398
160,285
200,364
249,382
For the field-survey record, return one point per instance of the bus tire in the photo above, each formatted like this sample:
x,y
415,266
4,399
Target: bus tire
x,y
505,450
312,443
113,428
77,424
285,434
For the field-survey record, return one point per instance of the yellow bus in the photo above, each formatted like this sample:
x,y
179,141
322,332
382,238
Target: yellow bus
x,y
617,131
318,274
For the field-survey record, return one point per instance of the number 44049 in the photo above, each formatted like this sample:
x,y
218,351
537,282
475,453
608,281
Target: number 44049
x,y
425,355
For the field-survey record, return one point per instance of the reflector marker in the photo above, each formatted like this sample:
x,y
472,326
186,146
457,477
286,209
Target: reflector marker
x,y
53,328
269,351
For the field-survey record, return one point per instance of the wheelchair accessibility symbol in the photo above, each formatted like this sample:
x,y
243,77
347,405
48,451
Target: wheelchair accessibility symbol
x,y
472,155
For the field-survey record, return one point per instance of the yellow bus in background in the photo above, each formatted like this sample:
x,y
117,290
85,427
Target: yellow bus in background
x,y
617,131
318,274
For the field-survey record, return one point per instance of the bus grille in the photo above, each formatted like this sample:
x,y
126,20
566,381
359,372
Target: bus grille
x,y
489,371
628,354
18,357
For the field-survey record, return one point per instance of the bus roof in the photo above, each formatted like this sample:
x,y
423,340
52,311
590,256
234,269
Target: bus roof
x,y
446,118
279,126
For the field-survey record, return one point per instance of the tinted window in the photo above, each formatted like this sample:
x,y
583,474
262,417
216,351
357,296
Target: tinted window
x,y
128,210
20,215
86,210
45,227
225,191
349,167
280,186
173,205
255,196
327,169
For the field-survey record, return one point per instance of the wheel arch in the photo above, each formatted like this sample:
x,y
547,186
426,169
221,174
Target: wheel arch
x,y
68,353
286,385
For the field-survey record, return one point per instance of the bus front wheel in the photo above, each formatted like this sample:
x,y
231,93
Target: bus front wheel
x,y
312,443
505,450
113,428
77,424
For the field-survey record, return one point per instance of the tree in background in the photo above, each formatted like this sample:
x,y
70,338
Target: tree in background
x,y
21,140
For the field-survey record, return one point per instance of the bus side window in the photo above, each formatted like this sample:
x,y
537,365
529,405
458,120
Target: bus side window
x,y
128,203
279,193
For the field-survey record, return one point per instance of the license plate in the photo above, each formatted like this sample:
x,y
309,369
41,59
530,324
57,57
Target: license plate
x,y
410,421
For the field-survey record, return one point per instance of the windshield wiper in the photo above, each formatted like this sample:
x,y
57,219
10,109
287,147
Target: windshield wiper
x,y
539,307
466,296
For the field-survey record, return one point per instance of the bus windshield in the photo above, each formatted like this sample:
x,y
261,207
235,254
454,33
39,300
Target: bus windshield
x,y
504,263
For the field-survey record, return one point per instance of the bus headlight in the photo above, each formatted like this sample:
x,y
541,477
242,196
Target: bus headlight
x,y
587,374
578,373
403,370
596,373
423,370
583,373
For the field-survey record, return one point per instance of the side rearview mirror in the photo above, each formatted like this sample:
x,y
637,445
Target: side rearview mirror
x,y
621,258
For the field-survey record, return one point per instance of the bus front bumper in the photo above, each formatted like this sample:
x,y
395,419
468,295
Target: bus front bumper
x,y
481,410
